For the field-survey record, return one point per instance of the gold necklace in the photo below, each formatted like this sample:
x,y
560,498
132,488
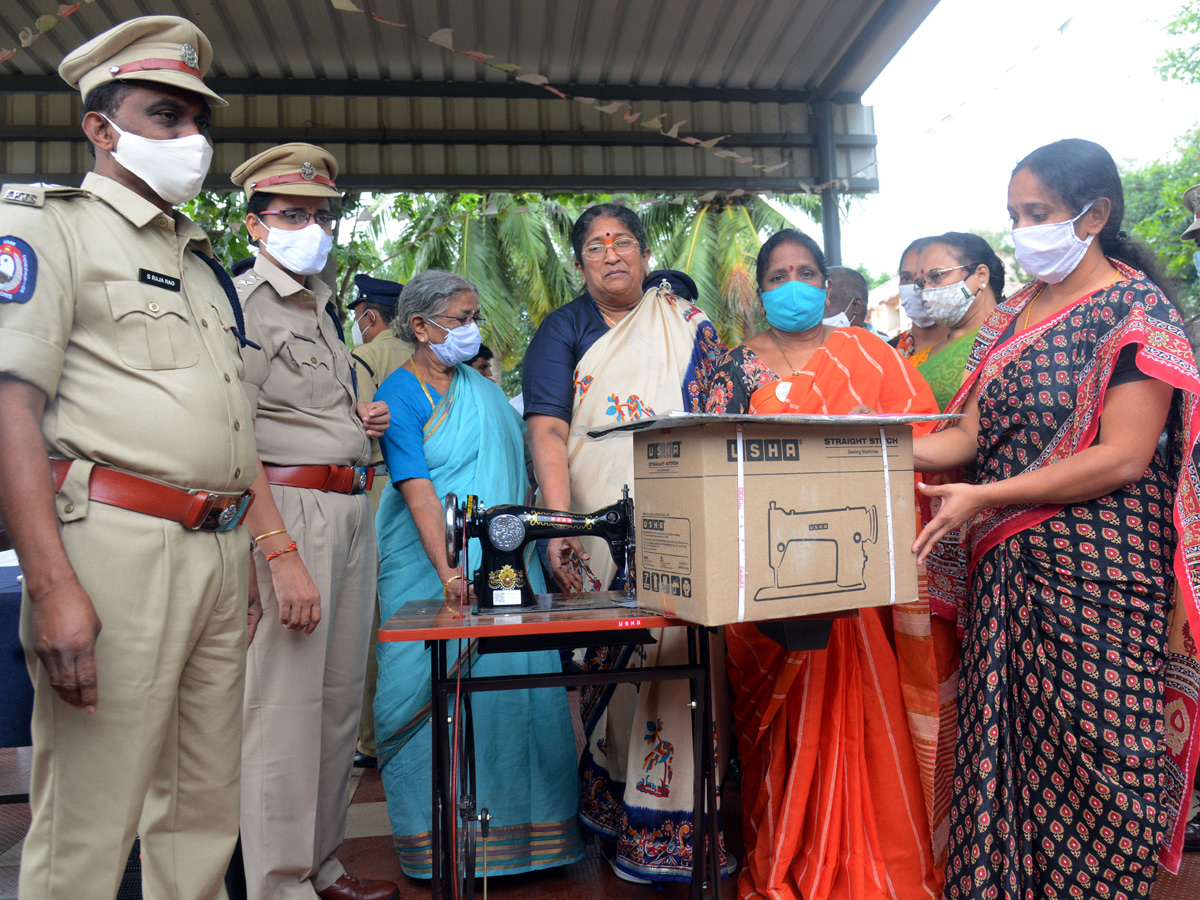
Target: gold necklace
x,y
775,338
1029,308
421,382
604,315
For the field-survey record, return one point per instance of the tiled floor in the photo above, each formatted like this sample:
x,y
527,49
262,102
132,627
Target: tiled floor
x,y
368,852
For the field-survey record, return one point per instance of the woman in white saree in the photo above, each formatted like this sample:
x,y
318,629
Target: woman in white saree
x,y
629,347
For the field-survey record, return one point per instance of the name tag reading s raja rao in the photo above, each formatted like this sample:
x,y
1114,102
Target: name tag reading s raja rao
x,y
159,280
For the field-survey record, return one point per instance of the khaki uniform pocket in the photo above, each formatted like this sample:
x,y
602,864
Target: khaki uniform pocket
x,y
152,326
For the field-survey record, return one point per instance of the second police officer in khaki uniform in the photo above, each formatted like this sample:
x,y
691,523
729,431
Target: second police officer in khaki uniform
x,y
378,352
119,355
316,559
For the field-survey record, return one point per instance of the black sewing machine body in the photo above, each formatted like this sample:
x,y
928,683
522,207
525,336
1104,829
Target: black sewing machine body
x,y
501,582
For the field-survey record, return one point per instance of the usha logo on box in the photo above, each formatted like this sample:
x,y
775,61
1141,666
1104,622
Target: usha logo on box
x,y
663,450
766,449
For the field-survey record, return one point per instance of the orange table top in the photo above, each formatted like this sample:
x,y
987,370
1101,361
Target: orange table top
x,y
429,620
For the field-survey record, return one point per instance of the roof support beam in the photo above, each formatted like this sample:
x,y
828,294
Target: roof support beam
x,y
244,135
548,184
483,90
831,224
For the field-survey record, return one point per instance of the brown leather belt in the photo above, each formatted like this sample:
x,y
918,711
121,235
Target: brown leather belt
x,y
200,511
338,479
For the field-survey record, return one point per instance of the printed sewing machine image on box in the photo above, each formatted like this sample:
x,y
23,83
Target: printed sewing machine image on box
x,y
825,523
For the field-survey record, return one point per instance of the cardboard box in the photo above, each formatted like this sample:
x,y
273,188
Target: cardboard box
x,y
816,531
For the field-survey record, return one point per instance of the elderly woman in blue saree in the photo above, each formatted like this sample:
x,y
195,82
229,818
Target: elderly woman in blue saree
x,y
458,434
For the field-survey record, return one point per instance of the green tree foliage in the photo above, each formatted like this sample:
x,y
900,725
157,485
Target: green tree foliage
x,y
1155,215
1183,63
716,242
517,249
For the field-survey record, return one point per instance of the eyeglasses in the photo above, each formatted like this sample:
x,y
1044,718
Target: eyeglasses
x,y
464,319
300,218
934,278
599,249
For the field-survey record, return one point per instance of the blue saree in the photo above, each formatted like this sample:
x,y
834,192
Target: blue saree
x,y
527,777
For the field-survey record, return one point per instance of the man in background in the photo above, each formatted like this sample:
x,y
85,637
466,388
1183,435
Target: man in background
x,y
481,362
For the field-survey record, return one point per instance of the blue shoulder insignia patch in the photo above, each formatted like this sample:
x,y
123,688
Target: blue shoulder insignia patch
x,y
18,270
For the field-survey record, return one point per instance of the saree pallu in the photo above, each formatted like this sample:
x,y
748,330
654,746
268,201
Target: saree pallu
x,y
837,745
525,763
943,371
636,770
1077,701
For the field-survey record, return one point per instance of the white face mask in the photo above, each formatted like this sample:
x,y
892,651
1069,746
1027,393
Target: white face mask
x,y
910,299
356,334
841,320
173,168
948,304
303,251
1051,252
461,343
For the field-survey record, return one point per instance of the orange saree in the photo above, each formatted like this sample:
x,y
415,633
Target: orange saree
x,y
837,746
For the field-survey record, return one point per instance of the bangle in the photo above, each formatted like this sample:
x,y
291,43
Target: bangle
x,y
290,548
263,537
446,586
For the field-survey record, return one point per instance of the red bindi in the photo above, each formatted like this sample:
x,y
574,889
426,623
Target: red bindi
x,y
791,268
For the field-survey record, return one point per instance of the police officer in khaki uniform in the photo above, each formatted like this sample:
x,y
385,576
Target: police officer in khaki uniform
x,y
120,387
315,560
378,352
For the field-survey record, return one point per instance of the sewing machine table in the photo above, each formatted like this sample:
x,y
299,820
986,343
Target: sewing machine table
x,y
595,619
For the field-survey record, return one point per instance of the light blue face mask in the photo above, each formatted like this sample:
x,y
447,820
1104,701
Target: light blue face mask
x,y
794,306
461,343
1196,260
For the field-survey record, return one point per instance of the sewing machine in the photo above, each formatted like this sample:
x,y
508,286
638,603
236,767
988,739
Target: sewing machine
x,y
818,551
501,581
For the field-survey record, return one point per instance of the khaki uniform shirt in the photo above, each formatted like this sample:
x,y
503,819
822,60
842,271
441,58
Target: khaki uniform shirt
x,y
373,363
106,309
300,386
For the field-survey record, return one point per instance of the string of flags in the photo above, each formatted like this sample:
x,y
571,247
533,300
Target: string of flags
x,y
40,26
444,38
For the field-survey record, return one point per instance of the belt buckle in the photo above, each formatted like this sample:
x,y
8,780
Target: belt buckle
x,y
197,514
231,516
361,479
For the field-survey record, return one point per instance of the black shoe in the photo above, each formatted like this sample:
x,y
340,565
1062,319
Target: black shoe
x,y
1191,836
362,761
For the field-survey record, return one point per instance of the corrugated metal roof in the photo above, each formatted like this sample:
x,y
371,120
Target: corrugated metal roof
x,y
402,112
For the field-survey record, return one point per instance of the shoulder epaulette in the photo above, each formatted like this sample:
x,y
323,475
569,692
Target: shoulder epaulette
x,y
247,282
35,194
362,362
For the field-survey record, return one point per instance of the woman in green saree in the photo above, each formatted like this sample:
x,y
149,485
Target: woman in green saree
x,y
960,280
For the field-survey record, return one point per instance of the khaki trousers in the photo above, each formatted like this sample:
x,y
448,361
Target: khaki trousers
x,y
303,694
159,757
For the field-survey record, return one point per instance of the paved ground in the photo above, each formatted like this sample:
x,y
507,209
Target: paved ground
x,y
368,852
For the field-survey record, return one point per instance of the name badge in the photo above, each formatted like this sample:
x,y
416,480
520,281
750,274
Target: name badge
x,y
157,279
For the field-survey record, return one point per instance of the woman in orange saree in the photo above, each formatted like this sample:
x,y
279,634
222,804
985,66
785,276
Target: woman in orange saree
x,y
836,798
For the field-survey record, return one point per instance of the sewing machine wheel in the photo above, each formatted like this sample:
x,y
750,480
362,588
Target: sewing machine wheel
x,y
454,529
